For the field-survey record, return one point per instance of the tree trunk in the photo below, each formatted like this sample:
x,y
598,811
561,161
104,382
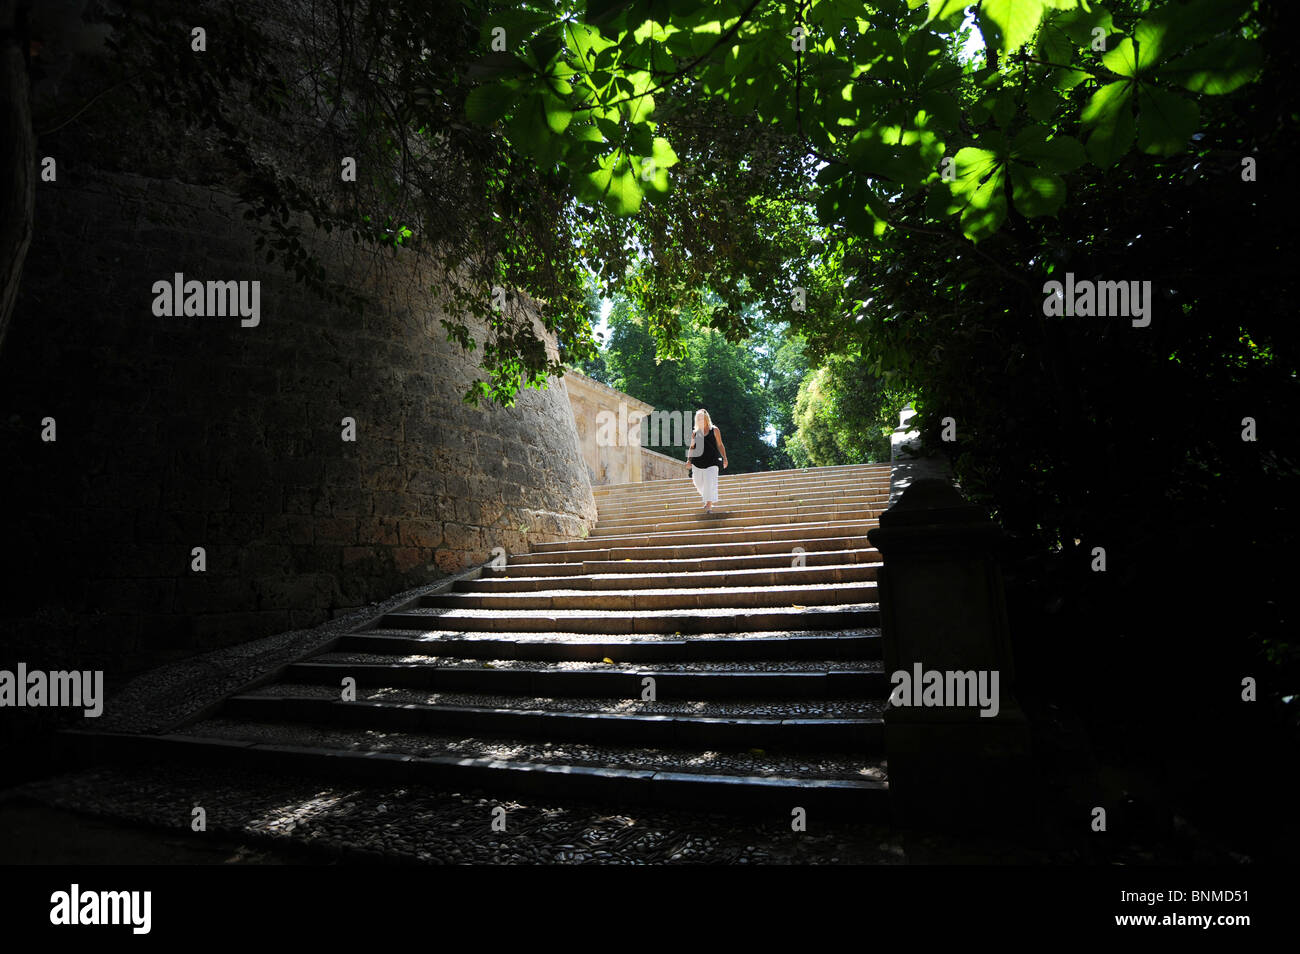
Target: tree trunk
x,y
17,160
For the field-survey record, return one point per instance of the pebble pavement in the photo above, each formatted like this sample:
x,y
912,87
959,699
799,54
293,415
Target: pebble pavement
x,y
761,708
395,824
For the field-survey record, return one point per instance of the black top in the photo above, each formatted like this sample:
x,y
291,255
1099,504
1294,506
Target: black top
x,y
709,455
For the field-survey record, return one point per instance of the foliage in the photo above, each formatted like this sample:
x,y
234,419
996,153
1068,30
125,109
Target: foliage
x,y
711,373
1104,141
783,359
874,93
843,415
512,141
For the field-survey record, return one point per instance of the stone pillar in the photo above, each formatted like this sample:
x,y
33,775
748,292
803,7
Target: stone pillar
x,y
943,609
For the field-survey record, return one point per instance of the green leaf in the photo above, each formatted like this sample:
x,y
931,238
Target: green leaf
x,y
1054,45
980,187
1009,24
532,128
1060,153
922,51
939,203
1004,109
1160,34
663,154
1042,102
639,109
495,65
942,77
486,104
1079,23
558,116
606,11
1034,192
586,132
617,185
882,54
942,109
867,212
832,173
654,180
519,26
947,9
984,215
1123,59
1065,80
1165,121
640,140
1219,67
871,156
1110,113
973,164
585,42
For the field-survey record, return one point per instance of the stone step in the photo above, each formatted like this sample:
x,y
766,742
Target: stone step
x,y
783,544
552,751
787,473
861,553
769,476
743,536
740,707
757,679
730,597
825,575
816,733
757,479
845,708
688,498
849,787
725,517
445,654
758,626
685,493
734,510
808,644
660,508
682,484
768,479
722,620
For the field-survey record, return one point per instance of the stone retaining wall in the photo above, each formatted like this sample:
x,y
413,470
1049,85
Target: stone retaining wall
x,y
175,433
657,466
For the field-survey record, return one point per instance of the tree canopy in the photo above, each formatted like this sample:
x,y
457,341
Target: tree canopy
x,y
709,372
893,183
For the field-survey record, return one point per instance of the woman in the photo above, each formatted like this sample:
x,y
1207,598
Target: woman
x,y
706,454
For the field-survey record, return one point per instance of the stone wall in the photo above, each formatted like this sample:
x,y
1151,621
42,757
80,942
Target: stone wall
x,y
657,466
613,429
608,427
175,433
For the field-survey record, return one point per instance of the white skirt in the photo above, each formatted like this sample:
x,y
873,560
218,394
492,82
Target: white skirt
x,y
706,482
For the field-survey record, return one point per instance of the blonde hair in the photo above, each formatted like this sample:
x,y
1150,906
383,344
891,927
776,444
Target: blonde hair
x,y
708,421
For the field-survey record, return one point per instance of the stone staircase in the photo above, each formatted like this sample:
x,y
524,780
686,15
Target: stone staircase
x,y
729,661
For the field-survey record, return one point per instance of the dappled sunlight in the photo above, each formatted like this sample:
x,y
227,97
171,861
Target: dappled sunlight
x,y
286,817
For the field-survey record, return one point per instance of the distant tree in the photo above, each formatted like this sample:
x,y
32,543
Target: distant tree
x,y
710,372
843,415
787,366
